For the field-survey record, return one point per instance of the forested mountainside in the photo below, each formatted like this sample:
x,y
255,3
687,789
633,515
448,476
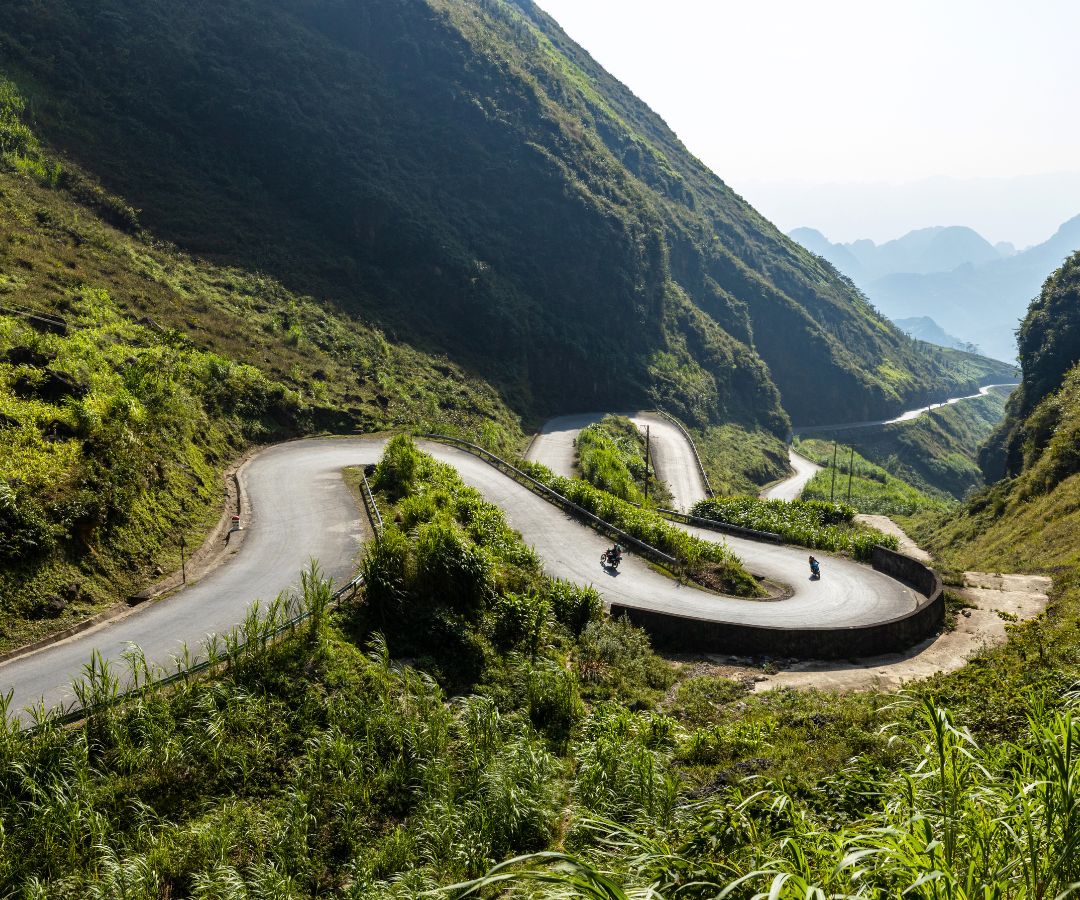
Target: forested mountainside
x,y
131,374
1028,519
1036,425
465,176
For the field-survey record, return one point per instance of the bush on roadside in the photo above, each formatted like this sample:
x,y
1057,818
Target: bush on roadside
x,y
814,523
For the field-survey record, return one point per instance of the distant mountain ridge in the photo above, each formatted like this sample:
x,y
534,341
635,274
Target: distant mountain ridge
x,y
979,293
923,251
924,328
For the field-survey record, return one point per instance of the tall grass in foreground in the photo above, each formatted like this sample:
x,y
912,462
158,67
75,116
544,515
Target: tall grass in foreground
x,y
960,821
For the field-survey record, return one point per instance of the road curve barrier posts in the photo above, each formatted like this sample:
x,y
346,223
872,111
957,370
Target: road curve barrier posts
x,y
687,634
370,506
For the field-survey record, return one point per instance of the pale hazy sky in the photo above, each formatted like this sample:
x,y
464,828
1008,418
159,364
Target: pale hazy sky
x,y
774,94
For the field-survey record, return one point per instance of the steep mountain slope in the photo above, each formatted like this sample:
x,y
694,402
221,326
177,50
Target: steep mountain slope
x,y
466,176
1030,518
1035,433
130,375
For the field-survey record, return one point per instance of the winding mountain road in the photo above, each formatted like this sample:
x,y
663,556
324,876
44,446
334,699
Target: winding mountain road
x,y
301,509
804,469
791,488
673,457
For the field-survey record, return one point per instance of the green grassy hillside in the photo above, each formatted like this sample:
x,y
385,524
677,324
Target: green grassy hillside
x,y
131,374
936,453
1049,341
1028,522
870,488
466,177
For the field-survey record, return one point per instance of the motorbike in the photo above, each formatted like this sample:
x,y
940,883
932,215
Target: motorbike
x,y
815,570
611,559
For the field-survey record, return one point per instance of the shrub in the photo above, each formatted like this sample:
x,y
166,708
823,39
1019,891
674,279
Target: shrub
x,y
813,523
518,617
449,567
611,457
616,653
554,704
620,773
574,606
398,468
385,568
24,531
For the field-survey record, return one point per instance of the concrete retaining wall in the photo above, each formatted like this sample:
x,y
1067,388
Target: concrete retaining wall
x,y
686,634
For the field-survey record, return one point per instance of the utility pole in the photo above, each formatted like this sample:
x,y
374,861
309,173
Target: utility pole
x,y
646,464
850,471
183,561
832,488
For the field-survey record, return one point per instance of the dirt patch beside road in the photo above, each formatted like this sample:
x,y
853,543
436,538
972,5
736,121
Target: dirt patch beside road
x,y
1015,597
907,546
997,601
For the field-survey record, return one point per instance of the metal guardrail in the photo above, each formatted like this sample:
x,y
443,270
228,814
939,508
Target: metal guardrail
x,y
72,715
555,497
697,456
724,527
370,504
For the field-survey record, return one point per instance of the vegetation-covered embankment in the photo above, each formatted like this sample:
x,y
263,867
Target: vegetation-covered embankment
x,y
936,453
871,488
612,456
131,375
1028,520
817,524
710,563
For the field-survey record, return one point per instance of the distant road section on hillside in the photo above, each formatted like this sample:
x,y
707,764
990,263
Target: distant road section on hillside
x,y
791,488
903,417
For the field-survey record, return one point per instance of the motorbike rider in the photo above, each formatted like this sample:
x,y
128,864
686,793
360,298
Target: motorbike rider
x,y
815,567
615,554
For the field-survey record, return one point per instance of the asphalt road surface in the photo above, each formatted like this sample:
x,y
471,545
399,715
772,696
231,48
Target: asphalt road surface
x,y
673,457
791,488
903,417
301,509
